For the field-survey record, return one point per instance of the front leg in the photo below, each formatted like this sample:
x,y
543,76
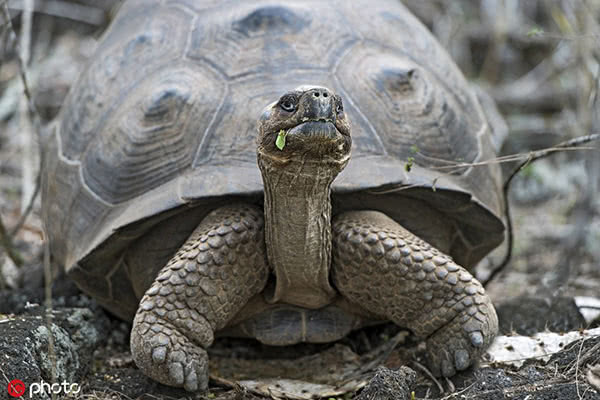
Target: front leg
x,y
389,271
212,276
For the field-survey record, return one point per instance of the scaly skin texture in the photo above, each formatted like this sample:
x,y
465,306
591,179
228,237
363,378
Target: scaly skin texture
x,y
389,271
212,276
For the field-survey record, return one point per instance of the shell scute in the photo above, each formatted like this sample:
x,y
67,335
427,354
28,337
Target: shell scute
x,y
124,57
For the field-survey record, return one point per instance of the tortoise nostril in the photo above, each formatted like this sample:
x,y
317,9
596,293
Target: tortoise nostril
x,y
316,94
324,94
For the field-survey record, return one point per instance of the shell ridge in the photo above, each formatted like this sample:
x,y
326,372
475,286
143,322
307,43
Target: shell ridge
x,y
209,131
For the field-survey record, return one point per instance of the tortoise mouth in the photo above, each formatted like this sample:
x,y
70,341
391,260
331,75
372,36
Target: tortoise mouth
x,y
321,129
312,140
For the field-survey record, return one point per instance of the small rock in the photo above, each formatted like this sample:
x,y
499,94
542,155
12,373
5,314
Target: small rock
x,y
389,384
26,340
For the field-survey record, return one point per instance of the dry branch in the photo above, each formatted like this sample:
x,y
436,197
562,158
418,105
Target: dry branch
x,y
525,158
26,134
6,238
532,157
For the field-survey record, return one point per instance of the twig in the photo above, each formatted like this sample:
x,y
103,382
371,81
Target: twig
x,y
451,387
4,375
379,356
223,382
590,307
569,145
31,105
26,136
33,112
577,368
582,359
455,167
454,395
228,384
429,374
25,214
49,316
533,156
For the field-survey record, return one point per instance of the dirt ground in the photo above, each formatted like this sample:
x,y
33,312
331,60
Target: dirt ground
x,y
539,60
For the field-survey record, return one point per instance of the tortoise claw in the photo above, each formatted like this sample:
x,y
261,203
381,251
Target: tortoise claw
x,y
457,346
175,361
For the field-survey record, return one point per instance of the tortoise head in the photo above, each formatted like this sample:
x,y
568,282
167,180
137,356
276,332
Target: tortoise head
x,y
303,144
307,124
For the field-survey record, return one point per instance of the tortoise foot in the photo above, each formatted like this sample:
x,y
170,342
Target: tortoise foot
x,y
167,356
414,285
460,343
212,276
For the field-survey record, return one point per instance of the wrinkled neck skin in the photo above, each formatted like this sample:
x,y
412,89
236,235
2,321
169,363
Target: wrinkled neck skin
x,y
298,229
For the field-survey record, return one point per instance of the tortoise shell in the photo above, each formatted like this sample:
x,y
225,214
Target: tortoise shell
x,y
160,129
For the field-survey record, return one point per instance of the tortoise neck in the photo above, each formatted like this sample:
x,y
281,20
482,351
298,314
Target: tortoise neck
x,y
298,230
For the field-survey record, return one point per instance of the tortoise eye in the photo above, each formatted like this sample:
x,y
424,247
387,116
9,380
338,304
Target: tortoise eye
x,y
288,103
287,106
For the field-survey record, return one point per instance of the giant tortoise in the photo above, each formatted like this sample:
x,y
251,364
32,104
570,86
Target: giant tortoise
x,y
179,202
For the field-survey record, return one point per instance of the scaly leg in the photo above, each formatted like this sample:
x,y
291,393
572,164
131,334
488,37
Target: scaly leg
x,y
212,276
389,271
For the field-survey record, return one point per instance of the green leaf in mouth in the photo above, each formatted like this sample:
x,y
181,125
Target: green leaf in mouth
x,y
280,142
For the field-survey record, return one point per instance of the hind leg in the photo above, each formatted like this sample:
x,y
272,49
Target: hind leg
x,y
387,270
212,276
